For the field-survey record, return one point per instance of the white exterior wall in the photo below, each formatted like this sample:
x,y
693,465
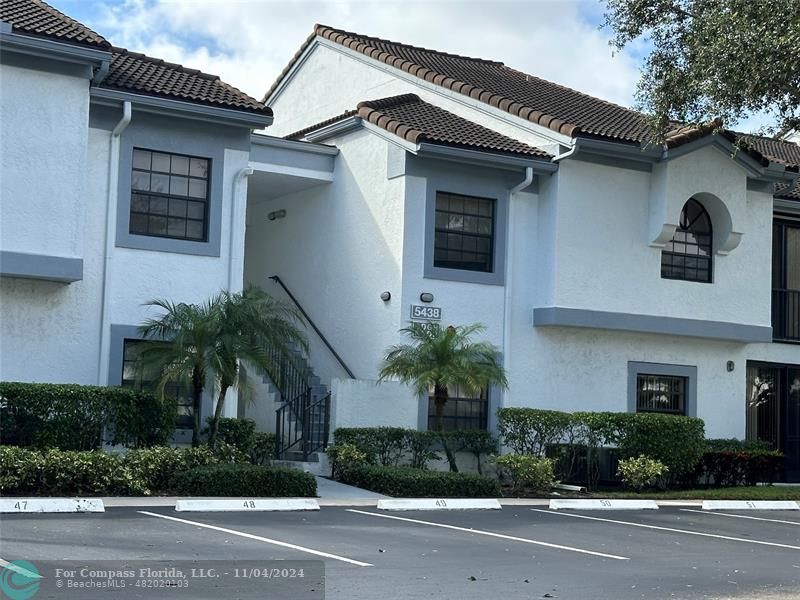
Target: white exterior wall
x,y
365,403
332,80
48,331
603,260
338,248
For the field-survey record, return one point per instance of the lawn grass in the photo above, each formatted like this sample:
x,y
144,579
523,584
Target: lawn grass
x,y
771,492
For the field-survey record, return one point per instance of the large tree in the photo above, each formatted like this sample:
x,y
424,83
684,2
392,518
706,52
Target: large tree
x,y
714,59
440,358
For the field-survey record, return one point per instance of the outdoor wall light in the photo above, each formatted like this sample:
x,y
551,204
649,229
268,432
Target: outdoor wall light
x,y
386,296
426,297
276,214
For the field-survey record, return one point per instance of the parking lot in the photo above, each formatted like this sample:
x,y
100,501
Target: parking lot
x,y
519,552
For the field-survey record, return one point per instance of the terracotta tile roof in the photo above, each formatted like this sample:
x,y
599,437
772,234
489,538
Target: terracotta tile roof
x,y
559,108
34,17
784,153
129,71
416,121
141,74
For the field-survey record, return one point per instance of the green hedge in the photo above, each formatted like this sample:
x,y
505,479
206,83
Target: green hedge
x,y
392,446
263,449
95,473
74,417
732,468
240,433
245,480
411,482
678,442
65,473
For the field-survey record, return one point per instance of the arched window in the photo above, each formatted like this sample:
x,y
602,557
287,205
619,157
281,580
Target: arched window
x,y
688,255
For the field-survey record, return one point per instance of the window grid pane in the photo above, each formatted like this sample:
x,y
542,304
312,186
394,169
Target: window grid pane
x,y
461,411
169,195
688,255
661,393
464,232
180,391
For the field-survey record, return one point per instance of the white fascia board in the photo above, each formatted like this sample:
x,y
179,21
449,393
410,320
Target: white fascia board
x,y
190,110
260,139
260,167
53,50
331,130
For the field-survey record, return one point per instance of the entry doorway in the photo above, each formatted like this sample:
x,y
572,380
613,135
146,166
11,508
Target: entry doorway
x,y
773,411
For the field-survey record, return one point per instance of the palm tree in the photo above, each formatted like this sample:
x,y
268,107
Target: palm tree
x,y
211,340
440,358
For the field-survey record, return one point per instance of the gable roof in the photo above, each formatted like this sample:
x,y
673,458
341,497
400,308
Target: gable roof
x,y
416,121
129,71
141,74
36,18
554,106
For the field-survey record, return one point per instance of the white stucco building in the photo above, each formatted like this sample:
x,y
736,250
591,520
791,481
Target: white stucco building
x,y
397,184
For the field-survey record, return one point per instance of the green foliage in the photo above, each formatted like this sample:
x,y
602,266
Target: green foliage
x,y
438,359
642,472
212,340
95,473
343,457
65,473
411,482
390,446
157,467
476,442
73,417
246,481
530,430
525,471
239,433
735,445
420,445
726,468
263,449
382,445
677,442
701,63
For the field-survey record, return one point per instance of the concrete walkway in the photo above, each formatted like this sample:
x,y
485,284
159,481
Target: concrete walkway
x,y
333,493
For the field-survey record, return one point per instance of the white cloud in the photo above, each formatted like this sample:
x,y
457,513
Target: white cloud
x,y
248,42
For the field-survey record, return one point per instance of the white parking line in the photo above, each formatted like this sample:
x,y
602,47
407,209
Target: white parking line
x,y
686,531
719,514
259,539
490,534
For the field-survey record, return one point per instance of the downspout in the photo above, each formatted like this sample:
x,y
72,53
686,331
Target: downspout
x,y
568,153
238,214
110,238
509,269
236,256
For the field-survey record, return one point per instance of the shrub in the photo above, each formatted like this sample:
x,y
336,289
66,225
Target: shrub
x,y
157,467
731,468
73,417
382,445
476,442
531,430
734,445
677,442
263,449
239,433
642,472
411,482
65,473
246,481
421,445
343,457
527,471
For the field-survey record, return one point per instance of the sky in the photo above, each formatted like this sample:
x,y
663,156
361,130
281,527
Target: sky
x,y
248,42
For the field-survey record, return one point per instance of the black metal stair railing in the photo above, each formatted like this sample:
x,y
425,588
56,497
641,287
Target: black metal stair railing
x,y
303,425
